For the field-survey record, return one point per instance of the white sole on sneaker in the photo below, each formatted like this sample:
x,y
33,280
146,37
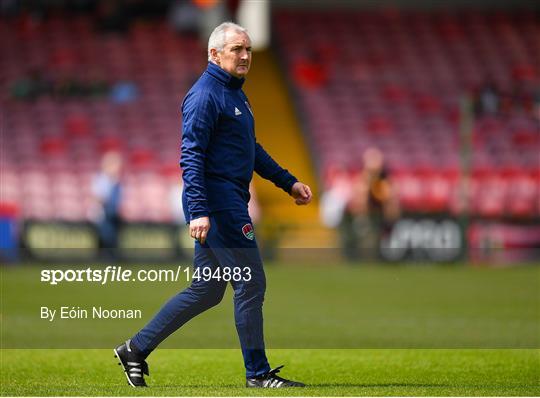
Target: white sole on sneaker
x,y
124,367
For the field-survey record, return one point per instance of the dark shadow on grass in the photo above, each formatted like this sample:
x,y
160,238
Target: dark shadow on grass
x,y
372,385
161,386
366,385
340,385
416,385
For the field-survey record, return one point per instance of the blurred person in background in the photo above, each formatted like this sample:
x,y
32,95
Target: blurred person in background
x,y
177,211
32,86
374,202
487,100
184,17
107,190
335,212
219,155
254,209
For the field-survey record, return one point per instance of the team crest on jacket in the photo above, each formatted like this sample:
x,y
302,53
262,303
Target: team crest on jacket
x,y
248,232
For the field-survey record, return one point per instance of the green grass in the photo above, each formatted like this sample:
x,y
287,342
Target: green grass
x,y
305,307
364,330
327,372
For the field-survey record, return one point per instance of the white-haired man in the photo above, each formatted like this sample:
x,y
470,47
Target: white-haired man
x,y
219,155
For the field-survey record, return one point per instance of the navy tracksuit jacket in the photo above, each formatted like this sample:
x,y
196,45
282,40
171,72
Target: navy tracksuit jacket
x,y
219,155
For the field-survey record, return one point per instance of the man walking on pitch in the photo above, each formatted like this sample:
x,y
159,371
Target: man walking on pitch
x,y
219,156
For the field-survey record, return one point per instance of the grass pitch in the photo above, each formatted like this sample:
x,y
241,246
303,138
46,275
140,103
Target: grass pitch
x,y
362,331
343,372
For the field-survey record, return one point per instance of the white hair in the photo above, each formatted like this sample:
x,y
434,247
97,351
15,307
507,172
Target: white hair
x,y
218,36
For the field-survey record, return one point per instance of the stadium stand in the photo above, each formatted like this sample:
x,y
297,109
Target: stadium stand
x,y
391,79
394,80
52,144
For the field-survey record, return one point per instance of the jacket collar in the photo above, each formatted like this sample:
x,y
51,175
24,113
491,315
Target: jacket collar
x,y
225,78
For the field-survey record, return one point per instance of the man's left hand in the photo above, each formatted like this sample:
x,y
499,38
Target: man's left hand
x,y
301,193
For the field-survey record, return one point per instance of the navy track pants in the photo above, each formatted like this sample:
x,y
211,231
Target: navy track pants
x,y
229,244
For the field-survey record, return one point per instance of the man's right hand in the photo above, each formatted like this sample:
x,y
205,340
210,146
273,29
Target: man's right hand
x,y
198,229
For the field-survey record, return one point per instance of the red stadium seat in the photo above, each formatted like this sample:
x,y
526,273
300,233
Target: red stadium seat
x,y
399,90
78,125
53,146
489,195
524,197
411,191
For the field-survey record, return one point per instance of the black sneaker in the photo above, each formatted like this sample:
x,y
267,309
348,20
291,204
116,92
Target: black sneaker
x,y
270,380
135,367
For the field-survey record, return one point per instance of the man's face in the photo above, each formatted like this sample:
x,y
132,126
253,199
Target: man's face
x,y
235,57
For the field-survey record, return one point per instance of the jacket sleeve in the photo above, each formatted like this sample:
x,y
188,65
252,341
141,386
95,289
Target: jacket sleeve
x,y
199,118
268,168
